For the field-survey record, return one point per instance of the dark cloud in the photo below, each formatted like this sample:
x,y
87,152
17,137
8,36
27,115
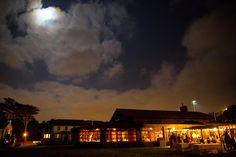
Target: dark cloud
x,y
10,7
115,71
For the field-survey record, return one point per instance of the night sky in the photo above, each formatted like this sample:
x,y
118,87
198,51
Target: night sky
x,y
82,59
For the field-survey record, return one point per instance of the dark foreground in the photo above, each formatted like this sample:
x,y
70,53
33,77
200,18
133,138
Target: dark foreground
x,y
69,151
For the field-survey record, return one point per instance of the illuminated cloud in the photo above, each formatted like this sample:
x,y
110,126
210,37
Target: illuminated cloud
x,y
80,43
68,101
78,39
209,74
33,4
75,64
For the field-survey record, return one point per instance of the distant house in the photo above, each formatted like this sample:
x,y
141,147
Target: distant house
x,y
59,131
5,130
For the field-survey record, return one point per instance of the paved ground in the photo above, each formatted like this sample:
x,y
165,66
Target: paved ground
x,y
70,151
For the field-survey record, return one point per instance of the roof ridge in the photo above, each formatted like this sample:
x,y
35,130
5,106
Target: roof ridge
x,y
158,110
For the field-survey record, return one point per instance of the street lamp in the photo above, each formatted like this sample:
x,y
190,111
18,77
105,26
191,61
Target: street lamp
x,y
194,103
25,136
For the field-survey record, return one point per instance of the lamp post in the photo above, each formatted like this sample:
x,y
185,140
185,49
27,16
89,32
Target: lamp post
x,y
194,103
25,136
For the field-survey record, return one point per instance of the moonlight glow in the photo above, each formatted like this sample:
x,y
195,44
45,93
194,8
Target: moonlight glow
x,y
46,15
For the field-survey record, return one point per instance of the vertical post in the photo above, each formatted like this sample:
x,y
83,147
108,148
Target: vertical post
x,y
163,131
202,135
25,129
25,136
194,103
138,134
103,136
164,135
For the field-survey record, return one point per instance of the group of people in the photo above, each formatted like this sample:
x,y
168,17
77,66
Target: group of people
x,y
174,139
229,140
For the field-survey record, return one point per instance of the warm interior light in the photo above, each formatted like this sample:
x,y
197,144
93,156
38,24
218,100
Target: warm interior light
x,y
47,136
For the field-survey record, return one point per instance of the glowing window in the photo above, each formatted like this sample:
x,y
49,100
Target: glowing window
x,y
151,134
57,135
90,135
120,135
46,136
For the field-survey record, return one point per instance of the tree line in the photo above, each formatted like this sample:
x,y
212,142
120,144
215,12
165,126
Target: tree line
x,y
19,114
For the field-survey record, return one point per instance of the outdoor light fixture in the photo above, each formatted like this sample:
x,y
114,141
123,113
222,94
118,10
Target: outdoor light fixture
x,y
25,134
194,103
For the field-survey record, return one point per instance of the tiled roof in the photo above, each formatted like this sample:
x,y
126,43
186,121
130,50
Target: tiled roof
x,y
72,122
152,116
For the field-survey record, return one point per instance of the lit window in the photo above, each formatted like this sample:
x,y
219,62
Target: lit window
x,y
151,134
121,135
90,135
46,136
57,135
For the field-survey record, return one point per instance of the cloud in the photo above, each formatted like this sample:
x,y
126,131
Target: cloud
x,y
8,54
10,7
115,71
75,64
72,44
66,101
34,4
81,42
209,75
69,101
164,78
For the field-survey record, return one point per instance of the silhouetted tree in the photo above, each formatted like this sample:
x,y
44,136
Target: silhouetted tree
x,y
15,110
229,115
3,119
35,130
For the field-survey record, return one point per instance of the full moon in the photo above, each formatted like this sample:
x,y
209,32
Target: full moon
x,y
45,16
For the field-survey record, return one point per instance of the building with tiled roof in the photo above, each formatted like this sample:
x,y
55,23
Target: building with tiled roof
x,y
159,117
135,127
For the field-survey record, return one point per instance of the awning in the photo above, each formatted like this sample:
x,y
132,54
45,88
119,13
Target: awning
x,y
204,127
